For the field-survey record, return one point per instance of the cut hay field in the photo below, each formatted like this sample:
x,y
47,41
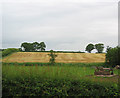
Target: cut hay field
x,y
43,57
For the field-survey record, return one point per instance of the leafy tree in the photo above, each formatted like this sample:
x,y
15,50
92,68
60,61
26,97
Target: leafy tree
x,y
36,46
89,48
108,48
52,57
42,46
99,47
26,47
113,56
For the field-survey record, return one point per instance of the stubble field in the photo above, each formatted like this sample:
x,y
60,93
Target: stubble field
x,y
43,57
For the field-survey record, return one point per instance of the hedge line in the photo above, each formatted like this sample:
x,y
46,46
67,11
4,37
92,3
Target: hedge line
x,y
9,51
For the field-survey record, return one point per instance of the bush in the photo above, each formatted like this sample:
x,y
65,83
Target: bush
x,y
28,87
52,57
8,51
113,56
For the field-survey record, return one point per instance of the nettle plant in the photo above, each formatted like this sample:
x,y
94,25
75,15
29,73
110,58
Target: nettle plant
x,y
52,57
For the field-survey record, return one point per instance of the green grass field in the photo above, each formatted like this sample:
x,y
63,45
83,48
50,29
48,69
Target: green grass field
x,y
60,80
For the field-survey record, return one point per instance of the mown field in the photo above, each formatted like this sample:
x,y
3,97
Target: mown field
x,y
65,80
22,57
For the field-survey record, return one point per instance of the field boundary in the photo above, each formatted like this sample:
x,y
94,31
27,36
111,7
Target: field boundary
x,y
93,65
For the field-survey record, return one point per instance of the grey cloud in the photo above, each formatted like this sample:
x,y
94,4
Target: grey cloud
x,y
66,25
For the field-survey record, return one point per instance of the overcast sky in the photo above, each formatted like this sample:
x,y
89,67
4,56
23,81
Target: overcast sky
x,y
61,24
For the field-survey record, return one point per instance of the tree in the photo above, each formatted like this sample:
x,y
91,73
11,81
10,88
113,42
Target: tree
x,y
52,57
42,46
36,46
89,48
99,47
26,47
108,48
113,56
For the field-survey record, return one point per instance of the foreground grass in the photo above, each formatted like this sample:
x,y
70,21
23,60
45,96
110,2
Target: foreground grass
x,y
55,80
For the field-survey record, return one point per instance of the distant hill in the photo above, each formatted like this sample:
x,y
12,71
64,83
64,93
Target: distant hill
x,y
61,58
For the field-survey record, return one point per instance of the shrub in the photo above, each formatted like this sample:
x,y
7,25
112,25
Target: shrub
x,y
28,87
8,51
52,57
113,56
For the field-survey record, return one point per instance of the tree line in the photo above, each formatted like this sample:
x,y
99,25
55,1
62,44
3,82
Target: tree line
x,y
99,47
31,47
35,46
112,55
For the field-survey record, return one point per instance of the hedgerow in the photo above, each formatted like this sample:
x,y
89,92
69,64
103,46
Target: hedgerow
x,y
113,56
29,87
8,51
